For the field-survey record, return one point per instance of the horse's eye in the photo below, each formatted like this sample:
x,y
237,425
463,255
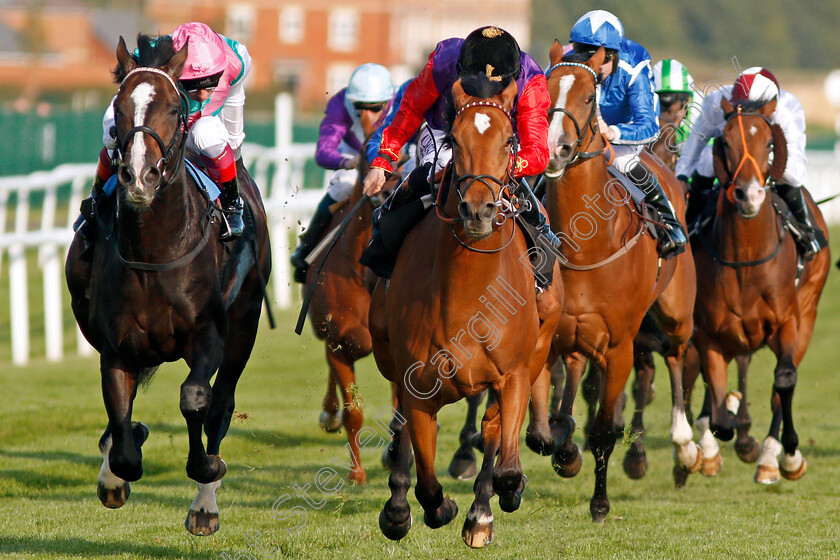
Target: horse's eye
x,y
510,141
590,99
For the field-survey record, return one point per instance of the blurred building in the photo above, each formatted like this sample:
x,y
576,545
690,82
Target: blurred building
x,y
309,48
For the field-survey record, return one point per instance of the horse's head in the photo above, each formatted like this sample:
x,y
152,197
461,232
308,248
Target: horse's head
x,y
749,156
573,121
483,153
149,118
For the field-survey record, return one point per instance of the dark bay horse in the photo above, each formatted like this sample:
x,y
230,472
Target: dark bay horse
x,y
161,287
339,315
612,274
459,315
748,291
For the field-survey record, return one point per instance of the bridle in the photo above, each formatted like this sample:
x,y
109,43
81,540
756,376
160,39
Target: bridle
x,y
506,207
579,153
767,182
168,151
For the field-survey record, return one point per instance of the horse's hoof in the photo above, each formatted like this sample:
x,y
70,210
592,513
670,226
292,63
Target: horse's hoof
x,y
358,477
330,421
201,523
217,465
680,477
635,464
113,498
478,534
445,513
766,474
748,449
539,445
463,465
567,464
511,502
797,474
711,466
599,508
393,531
699,460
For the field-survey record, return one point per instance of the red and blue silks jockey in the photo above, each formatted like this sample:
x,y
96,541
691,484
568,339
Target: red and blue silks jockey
x,y
492,57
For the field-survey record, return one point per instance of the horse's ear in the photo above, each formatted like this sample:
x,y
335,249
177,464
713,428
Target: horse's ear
x,y
175,65
597,59
720,166
728,108
555,55
124,59
768,108
458,94
780,153
509,95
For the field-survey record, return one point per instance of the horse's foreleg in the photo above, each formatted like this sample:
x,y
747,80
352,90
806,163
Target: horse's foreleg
x,y
768,471
746,446
422,428
687,454
478,528
566,458
602,437
635,461
119,387
538,435
395,517
330,418
341,369
722,421
793,464
463,462
508,480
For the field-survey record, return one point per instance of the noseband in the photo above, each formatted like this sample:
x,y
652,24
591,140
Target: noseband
x,y
578,154
767,182
167,151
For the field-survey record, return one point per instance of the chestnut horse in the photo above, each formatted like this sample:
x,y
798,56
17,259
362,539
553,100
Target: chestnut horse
x,y
339,315
162,287
612,278
748,291
460,314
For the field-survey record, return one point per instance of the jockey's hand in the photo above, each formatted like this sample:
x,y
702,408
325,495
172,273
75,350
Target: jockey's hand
x,y
605,129
374,180
351,162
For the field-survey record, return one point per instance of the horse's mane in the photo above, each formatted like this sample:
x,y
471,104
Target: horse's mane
x,y
479,85
574,56
152,52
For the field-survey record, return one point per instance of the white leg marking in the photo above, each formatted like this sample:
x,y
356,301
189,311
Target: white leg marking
x,y
482,122
482,519
555,128
792,463
770,450
708,443
142,97
681,437
106,478
206,499
733,401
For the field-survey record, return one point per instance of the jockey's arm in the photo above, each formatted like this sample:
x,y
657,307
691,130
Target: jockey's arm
x,y
790,116
334,126
707,124
532,128
233,111
643,125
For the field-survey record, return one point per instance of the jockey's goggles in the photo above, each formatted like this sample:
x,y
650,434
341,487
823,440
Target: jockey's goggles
x,y
373,107
207,82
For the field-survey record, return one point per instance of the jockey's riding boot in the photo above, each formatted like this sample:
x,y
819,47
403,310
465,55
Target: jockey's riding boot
x,y
85,224
533,216
672,237
231,209
808,244
309,239
698,195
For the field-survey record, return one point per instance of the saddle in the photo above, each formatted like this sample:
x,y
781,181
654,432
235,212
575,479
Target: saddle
x,y
637,196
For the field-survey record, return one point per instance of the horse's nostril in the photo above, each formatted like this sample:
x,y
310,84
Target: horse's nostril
x,y
489,211
564,150
126,175
740,195
465,211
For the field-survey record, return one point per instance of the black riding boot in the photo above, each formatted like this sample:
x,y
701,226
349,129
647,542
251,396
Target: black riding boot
x,y
533,215
85,224
309,239
698,196
232,209
808,244
397,216
672,237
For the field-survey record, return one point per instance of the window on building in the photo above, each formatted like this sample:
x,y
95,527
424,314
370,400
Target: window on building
x,y
292,24
343,29
240,22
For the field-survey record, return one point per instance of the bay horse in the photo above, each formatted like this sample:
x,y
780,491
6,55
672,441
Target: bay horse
x,y
748,294
460,314
339,315
612,278
162,287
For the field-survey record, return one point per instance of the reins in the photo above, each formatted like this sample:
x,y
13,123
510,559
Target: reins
x,y
579,154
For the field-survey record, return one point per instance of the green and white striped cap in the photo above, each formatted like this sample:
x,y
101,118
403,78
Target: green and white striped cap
x,y
671,75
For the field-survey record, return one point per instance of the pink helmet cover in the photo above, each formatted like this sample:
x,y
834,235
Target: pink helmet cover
x,y
206,50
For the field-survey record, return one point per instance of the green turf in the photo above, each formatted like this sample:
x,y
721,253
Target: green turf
x,y
51,416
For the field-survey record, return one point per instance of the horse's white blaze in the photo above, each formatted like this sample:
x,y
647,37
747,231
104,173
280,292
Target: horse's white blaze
x,y
770,450
708,443
206,499
483,519
753,130
792,463
482,122
106,478
681,435
555,128
142,97
755,198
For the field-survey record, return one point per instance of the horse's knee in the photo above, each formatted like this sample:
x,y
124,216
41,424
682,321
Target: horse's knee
x,y
785,377
195,399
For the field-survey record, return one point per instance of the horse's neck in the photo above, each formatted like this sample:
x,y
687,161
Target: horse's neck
x,y
359,229
741,239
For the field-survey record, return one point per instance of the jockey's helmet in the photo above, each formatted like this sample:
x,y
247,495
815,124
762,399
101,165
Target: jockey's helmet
x,y
370,83
755,86
206,60
490,51
599,28
670,76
